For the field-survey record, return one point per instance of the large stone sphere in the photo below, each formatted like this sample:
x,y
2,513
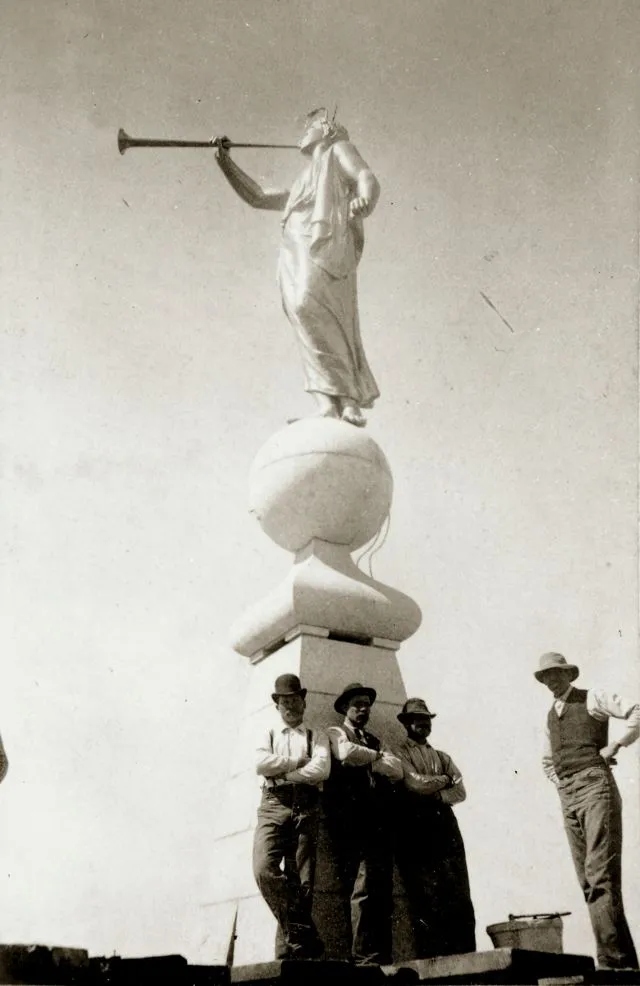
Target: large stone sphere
x,y
320,478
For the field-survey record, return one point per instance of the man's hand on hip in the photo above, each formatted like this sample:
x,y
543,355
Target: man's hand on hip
x,y
608,753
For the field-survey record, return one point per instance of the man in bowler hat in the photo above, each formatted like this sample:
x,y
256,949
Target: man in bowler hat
x,y
578,757
429,848
294,761
357,807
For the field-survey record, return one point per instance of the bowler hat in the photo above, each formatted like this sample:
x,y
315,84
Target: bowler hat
x,y
287,684
355,688
551,661
414,707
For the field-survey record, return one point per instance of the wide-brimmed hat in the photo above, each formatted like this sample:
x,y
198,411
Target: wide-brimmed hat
x,y
287,684
552,661
355,688
414,707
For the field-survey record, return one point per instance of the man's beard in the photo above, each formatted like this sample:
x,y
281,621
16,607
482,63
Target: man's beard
x,y
292,718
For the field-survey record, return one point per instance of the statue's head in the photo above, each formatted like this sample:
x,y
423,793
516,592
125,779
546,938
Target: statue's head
x,y
318,127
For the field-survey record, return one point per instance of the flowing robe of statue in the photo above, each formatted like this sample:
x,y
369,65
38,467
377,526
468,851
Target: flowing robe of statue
x,y
320,251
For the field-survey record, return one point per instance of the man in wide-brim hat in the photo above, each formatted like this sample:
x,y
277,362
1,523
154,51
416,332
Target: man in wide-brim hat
x,y
429,848
356,799
578,757
341,704
293,761
556,662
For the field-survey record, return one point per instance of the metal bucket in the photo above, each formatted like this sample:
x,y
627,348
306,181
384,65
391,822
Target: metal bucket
x,y
535,932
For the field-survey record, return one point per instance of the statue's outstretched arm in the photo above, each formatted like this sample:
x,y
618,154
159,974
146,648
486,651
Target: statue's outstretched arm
x,y
360,174
248,189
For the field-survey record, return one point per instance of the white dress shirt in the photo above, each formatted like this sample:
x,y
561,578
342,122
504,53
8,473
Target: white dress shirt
x,y
282,747
421,764
349,747
601,705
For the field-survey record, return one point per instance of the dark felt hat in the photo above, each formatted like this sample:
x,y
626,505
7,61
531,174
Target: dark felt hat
x,y
355,688
414,707
551,661
287,684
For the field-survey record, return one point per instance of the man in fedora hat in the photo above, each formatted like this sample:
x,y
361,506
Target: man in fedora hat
x,y
294,761
577,758
429,847
357,812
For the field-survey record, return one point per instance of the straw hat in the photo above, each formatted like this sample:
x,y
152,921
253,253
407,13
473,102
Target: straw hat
x,y
551,662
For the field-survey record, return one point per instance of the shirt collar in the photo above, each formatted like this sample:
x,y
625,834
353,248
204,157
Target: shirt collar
x,y
355,730
293,729
563,697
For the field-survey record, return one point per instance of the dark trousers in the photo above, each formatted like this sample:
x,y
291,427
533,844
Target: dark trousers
x,y
433,867
284,854
593,822
361,847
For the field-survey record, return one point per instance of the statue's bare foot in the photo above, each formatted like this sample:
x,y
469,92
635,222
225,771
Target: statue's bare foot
x,y
353,416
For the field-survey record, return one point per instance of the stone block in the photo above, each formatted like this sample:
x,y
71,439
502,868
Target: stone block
x,y
255,931
47,965
211,937
599,977
312,973
237,808
513,966
376,666
118,971
207,975
234,878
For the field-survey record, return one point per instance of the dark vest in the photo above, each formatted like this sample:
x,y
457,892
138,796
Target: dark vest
x,y
353,789
576,737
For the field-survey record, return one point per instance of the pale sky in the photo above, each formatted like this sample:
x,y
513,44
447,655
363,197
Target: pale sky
x,y
145,359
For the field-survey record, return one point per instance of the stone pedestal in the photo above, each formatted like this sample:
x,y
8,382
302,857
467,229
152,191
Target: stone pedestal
x,y
321,489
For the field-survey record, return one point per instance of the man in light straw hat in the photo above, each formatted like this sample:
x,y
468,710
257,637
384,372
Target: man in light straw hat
x,y
429,848
294,761
357,807
578,758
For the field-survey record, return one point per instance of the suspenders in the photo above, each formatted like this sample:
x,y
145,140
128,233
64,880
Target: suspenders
x,y
309,741
271,783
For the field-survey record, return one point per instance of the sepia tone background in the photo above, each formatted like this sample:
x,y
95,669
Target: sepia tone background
x,y
144,359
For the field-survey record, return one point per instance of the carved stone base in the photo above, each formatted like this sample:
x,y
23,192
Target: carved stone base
x,y
321,489
325,589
